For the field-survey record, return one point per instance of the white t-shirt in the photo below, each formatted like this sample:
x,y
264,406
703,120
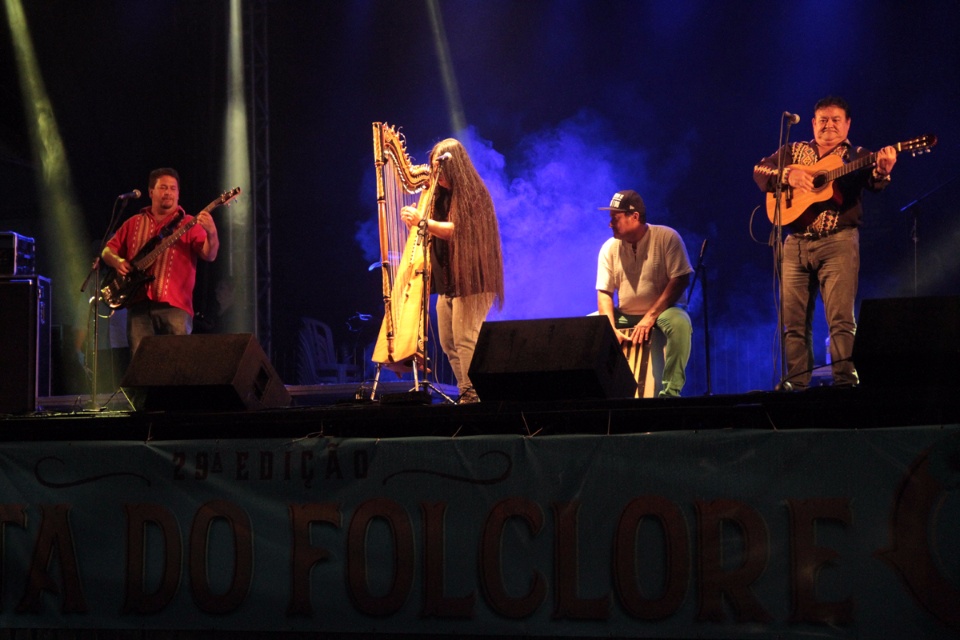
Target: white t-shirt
x,y
639,273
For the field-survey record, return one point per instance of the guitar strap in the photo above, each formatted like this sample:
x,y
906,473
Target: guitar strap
x,y
170,226
164,232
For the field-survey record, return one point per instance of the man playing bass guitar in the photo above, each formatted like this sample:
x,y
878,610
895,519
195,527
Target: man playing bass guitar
x,y
164,306
822,250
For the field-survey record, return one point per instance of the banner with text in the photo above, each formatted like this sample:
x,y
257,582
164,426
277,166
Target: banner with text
x,y
833,533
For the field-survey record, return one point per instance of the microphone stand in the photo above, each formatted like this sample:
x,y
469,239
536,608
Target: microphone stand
x,y
914,209
424,385
94,302
776,240
701,269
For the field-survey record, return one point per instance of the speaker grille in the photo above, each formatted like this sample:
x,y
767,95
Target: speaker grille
x,y
908,342
202,373
551,359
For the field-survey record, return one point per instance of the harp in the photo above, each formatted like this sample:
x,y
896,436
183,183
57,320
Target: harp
x,y
404,257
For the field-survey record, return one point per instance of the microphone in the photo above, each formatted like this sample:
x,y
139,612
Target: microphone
x,y
703,248
444,157
792,118
135,194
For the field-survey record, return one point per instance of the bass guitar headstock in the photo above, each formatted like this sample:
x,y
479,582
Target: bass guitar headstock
x,y
229,196
225,199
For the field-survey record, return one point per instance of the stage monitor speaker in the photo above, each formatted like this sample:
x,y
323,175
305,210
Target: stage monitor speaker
x,y
552,359
908,342
212,372
25,320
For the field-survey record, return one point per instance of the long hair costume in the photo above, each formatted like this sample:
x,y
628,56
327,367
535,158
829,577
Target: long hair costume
x,y
476,258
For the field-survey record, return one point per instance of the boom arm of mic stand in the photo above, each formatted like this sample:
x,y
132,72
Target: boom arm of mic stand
x,y
916,202
111,227
94,268
699,267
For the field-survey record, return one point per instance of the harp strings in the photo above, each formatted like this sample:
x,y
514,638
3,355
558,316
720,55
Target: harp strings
x,y
397,197
399,183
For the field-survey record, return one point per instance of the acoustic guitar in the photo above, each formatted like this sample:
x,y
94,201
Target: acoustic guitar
x,y
120,290
794,204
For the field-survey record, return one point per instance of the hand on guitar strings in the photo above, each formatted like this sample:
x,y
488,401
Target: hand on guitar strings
x,y
799,179
123,267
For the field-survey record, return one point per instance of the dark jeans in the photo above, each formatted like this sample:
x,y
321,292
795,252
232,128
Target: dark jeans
x,y
830,265
151,318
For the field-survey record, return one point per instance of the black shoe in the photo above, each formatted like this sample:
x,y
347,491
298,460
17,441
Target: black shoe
x,y
468,397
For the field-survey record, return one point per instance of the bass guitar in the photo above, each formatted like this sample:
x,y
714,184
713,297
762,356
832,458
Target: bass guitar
x,y
794,204
120,290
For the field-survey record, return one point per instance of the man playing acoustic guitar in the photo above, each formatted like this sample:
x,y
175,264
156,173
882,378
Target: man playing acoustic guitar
x,y
822,249
166,304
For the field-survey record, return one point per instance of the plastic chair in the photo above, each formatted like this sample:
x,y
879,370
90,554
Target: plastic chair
x,y
317,358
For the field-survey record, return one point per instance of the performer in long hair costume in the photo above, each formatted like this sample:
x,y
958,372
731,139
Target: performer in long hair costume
x,y
465,256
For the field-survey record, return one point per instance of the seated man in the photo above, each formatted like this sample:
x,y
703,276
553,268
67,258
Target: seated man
x,y
648,268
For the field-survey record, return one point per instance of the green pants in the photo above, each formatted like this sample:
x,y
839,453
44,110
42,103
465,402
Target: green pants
x,y
675,331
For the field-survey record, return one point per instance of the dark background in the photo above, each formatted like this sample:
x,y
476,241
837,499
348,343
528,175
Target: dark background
x,y
565,102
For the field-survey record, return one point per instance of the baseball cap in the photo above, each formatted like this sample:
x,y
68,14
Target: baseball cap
x,y
628,200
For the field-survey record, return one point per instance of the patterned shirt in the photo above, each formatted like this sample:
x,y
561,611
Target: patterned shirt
x,y
175,270
843,209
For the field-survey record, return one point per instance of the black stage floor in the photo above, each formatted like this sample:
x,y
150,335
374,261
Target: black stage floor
x,y
334,411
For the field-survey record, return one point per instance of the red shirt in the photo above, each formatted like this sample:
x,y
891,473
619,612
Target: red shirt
x,y
175,270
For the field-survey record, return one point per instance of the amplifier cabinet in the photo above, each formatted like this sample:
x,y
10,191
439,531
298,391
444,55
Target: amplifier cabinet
x,y
25,321
17,255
